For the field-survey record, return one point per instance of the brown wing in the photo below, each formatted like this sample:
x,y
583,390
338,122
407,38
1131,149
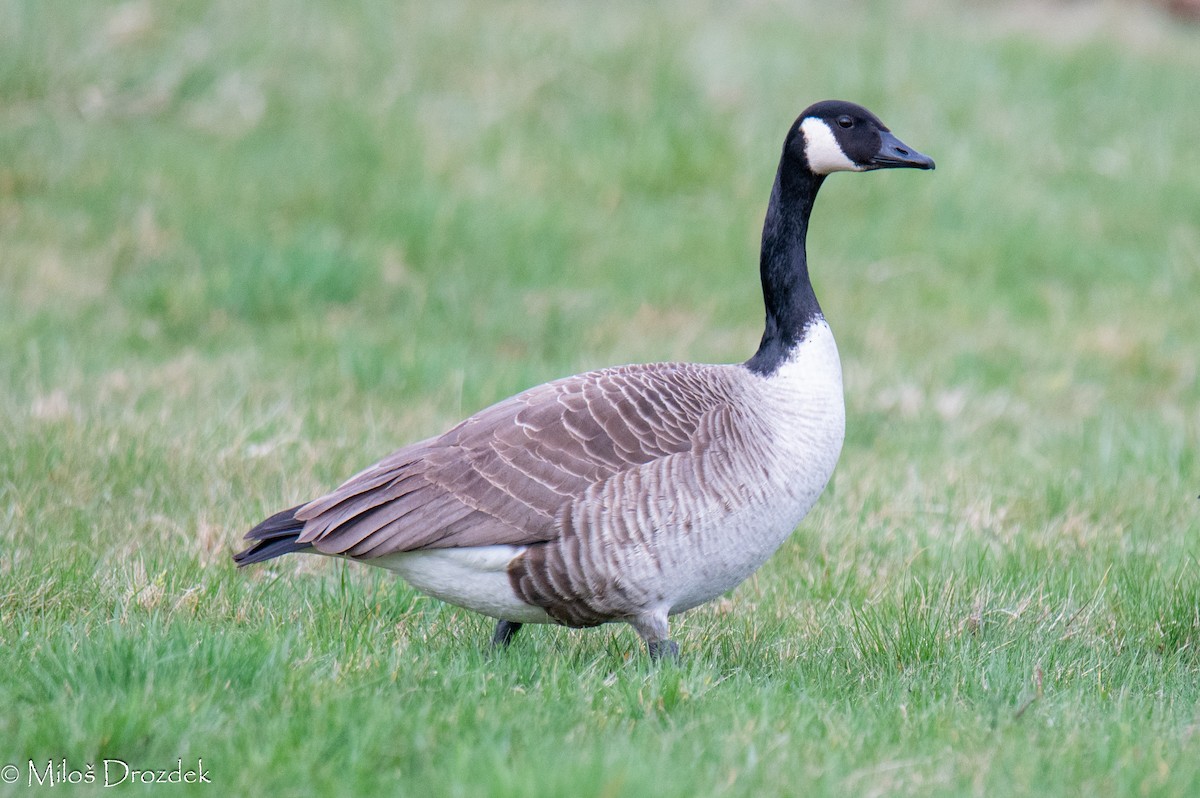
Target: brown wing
x,y
506,474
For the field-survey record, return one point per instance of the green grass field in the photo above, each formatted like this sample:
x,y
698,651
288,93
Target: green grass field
x,y
246,249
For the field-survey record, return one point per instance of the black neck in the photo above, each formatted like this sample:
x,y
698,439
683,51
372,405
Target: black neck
x,y
787,292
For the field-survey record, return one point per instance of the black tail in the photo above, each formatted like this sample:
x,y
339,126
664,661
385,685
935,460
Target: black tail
x,y
273,537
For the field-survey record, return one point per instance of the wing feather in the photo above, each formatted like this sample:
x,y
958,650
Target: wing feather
x,y
510,473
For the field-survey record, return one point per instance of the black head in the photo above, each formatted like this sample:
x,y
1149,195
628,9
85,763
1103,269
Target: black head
x,y
837,136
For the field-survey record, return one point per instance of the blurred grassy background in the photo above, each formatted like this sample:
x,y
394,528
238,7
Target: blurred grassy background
x,y
247,249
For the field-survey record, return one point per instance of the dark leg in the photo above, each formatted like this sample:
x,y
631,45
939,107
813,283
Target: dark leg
x,y
663,649
504,633
652,627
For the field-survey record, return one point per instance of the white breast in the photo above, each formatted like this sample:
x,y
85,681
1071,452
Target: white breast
x,y
804,403
801,406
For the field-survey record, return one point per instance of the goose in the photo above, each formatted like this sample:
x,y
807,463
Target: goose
x,y
631,493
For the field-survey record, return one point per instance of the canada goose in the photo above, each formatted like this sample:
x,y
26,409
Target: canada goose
x,y
630,493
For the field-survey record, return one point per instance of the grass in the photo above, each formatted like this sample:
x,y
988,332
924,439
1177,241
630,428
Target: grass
x,y
246,249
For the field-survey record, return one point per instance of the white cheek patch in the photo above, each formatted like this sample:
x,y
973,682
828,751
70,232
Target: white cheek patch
x,y
822,150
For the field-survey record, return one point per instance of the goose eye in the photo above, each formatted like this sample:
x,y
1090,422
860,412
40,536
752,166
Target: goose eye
x,y
845,121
